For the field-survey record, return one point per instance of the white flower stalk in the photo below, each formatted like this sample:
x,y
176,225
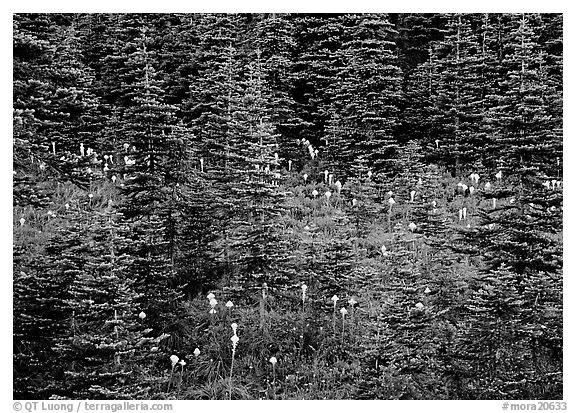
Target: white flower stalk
x,y
142,315
22,222
369,174
173,359
273,361
314,193
229,306
213,304
343,311
197,352
235,339
234,328
304,288
334,300
182,363
305,176
419,306
412,227
354,202
210,297
352,302
427,290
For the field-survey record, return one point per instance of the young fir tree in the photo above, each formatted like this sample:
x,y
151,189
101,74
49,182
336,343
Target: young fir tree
x,y
41,316
107,347
463,84
53,107
367,94
318,41
274,38
528,125
520,238
214,91
149,126
258,241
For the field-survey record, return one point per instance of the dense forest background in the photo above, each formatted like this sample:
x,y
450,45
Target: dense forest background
x,y
374,200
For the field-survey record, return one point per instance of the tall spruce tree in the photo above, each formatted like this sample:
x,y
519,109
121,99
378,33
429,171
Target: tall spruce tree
x,y
152,178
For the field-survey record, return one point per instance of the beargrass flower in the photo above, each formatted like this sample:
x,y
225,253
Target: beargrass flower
x,y
174,359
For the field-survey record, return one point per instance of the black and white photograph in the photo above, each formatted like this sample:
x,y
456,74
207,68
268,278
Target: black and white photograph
x,y
287,206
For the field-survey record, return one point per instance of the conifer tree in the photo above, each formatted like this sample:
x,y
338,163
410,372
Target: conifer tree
x,y
105,345
150,127
257,240
53,106
369,90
